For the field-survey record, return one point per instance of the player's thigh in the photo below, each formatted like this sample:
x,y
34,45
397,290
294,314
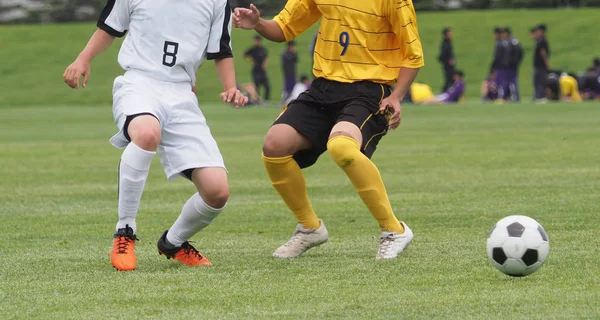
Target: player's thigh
x,y
137,113
299,127
362,120
348,129
187,142
212,185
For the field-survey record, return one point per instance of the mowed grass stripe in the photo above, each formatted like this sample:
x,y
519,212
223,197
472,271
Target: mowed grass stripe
x,y
451,173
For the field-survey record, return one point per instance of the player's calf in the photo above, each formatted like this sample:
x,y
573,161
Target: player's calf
x,y
212,186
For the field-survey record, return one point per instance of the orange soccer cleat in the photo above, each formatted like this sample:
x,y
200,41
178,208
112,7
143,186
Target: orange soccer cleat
x,y
186,253
122,255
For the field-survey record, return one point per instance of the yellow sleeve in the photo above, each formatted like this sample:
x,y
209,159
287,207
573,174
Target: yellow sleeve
x,y
404,24
296,17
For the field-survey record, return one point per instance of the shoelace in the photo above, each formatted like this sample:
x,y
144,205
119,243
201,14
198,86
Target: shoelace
x,y
295,237
123,244
385,243
188,249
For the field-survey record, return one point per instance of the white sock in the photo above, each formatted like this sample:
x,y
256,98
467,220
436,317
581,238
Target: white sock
x,y
195,216
133,171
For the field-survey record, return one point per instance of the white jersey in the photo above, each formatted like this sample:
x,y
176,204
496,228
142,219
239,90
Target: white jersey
x,y
168,40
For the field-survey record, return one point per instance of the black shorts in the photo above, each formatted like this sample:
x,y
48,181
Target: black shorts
x,y
314,113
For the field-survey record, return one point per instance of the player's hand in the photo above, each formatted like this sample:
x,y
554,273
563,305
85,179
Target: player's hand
x,y
246,18
79,68
392,104
235,97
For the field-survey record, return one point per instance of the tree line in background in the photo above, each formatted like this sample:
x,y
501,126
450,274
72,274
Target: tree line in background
x,y
29,11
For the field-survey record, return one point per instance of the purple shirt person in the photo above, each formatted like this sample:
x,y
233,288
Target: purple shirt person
x,y
489,88
456,91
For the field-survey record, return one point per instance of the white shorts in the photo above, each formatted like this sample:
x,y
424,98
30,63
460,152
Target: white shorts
x,y
186,141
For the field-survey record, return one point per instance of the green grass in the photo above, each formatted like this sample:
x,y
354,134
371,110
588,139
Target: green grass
x,y
451,173
35,56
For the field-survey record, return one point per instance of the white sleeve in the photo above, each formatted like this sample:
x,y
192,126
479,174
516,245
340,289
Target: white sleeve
x,y
219,40
115,16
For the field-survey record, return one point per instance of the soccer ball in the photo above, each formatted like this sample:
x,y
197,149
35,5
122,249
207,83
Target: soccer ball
x,y
518,246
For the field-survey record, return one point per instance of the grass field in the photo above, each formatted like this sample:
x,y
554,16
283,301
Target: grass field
x,y
35,56
451,172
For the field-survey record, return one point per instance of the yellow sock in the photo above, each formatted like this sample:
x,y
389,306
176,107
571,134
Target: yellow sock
x,y
287,178
365,177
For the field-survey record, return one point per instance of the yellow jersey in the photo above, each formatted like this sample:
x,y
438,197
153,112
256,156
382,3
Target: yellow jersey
x,y
569,88
358,39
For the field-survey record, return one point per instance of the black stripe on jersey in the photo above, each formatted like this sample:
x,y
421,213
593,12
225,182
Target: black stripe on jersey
x,y
356,62
102,20
288,11
403,6
404,26
350,8
224,48
358,29
315,69
360,45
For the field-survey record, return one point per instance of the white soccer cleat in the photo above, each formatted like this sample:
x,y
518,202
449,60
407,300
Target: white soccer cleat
x,y
302,240
391,244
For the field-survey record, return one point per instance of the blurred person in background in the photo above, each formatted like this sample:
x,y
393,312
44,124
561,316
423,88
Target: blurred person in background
x,y
299,87
257,55
562,86
596,65
453,94
447,58
489,88
289,62
515,56
500,64
249,90
590,84
496,34
541,62
569,88
418,93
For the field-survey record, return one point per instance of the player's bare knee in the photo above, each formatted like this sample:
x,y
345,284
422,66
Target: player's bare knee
x,y
283,140
146,138
276,146
273,148
216,197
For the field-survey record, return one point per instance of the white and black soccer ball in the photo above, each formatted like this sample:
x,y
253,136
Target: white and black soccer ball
x,y
518,245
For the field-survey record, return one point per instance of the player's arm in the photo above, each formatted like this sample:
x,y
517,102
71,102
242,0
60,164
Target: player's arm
x,y
98,43
544,54
484,89
295,18
113,22
219,50
403,19
226,72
